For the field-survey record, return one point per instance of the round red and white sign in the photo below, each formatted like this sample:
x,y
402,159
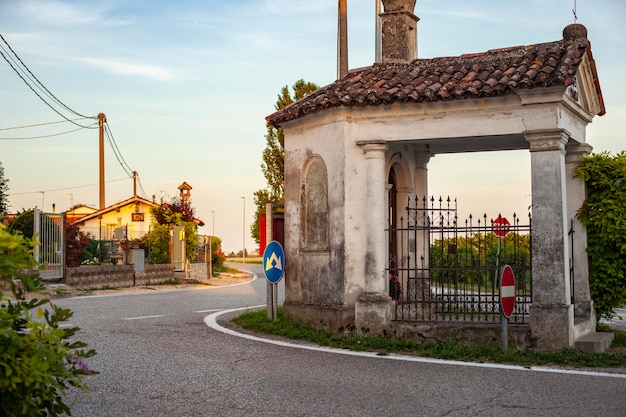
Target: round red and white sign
x,y
507,291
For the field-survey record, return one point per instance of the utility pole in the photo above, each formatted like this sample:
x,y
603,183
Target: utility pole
x,y
101,120
342,39
379,34
134,183
243,252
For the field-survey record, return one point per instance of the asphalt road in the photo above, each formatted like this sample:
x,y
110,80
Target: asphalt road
x,y
159,356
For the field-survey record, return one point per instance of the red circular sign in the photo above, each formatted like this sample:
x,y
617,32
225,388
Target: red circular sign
x,y
501,226
507,291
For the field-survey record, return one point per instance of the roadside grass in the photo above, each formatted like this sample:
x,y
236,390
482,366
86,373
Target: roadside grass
x,y
249,260
225,269
257,321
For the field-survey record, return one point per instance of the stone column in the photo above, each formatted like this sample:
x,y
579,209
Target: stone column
x,y
421,192
576,195
551,312
373,309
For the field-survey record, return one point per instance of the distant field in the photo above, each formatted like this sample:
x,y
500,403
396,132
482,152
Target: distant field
x,y
248,260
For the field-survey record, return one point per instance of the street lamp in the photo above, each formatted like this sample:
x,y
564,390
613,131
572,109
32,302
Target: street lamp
x,y
244,230
211,247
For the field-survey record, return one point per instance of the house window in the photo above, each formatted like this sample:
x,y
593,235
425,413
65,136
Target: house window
x,y
137,217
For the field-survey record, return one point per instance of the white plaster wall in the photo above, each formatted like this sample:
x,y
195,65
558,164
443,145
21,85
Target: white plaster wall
x,y
471,125
341,268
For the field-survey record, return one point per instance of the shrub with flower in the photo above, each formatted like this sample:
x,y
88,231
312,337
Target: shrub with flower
x,y
395,287
40,359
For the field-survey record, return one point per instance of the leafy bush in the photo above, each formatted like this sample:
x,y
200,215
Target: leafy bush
x,y
39,360
604,215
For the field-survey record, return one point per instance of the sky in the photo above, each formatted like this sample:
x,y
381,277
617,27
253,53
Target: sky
x,y
186,86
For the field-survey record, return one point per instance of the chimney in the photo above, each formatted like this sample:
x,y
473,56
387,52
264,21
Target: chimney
x,y
399,31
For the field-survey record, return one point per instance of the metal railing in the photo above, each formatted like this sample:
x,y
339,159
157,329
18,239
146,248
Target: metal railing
x,y
443,271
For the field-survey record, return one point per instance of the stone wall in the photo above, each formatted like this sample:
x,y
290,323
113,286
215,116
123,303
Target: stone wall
x,y
198,270
114,276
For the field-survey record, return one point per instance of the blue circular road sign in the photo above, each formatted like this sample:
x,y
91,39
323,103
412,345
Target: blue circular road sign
x,y
274,262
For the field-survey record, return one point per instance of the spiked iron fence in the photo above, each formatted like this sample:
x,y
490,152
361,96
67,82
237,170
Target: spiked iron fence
x,y
443,271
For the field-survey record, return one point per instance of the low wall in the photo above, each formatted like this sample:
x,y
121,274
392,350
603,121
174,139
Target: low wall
x,y
114,276
199,270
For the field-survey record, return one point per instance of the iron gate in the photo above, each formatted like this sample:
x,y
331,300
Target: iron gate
x,y
442,271
49,229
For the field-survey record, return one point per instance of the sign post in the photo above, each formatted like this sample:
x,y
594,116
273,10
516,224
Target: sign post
x,y
274,269
507,300
501,228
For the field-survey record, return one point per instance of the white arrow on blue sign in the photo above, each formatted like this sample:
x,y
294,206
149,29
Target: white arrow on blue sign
x,y
274,262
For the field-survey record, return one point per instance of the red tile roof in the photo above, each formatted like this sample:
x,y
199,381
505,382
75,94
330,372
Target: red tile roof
x,y
489,74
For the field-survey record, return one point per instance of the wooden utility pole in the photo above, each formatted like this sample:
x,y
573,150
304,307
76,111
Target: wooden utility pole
x,y
379,34
342,39
101,120
134,183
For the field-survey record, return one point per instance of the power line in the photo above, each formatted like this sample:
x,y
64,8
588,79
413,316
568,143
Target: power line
x,y
42,124
33,90
37,80
116,151
45,136
67,188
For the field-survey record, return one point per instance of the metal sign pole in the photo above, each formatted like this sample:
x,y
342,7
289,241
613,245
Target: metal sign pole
x,y
271,308
274,301
505,331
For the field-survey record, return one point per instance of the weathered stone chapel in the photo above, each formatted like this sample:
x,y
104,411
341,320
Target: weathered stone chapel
x,y
358,149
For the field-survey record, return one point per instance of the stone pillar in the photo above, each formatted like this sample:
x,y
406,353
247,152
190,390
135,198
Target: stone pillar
x,y
576,195
374,307
421,192
399,31
551,312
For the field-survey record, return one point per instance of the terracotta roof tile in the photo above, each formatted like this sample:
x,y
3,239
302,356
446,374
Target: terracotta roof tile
x,y
493,73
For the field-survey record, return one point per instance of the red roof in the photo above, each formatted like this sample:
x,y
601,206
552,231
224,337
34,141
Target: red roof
x,y
488,74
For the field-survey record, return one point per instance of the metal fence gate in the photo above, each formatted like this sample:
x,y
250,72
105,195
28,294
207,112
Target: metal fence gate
x,y
443,271
49,229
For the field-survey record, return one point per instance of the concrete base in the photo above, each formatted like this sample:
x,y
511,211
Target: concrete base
x,y
597,342
373,314
552,326
333,319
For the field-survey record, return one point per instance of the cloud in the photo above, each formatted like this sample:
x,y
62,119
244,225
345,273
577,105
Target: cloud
x,y
132,69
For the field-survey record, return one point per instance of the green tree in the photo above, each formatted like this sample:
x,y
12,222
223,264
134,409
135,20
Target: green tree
x,y
604,215
23,223
40,358
273,166
4,197
176,213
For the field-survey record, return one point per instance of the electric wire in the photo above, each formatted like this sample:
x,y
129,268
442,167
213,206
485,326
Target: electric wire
x,y
37,80
68,188
117,152
42,124
44,136
141,190
27,73
38,95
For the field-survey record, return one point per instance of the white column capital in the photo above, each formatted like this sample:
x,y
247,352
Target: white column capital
x,y
577,151
373,149
547,140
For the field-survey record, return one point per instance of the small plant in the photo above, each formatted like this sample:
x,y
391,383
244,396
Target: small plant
x,y
39,359
92,261
395,287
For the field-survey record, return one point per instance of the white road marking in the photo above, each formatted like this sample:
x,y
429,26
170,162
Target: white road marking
x,y
156,316
211,321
